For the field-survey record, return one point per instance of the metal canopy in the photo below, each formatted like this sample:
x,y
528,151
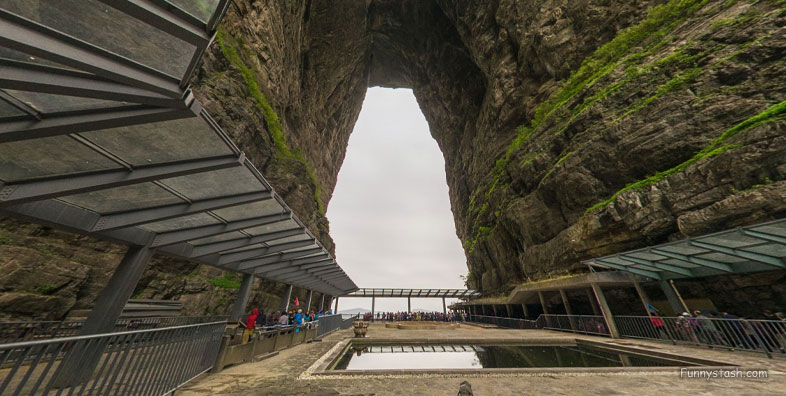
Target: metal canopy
x,y
760,247
447,293
100,135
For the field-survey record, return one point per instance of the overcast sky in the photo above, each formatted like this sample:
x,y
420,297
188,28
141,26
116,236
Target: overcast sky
x,y
390,213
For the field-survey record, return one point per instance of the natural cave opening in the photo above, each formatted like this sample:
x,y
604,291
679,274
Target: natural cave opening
x,y
390,214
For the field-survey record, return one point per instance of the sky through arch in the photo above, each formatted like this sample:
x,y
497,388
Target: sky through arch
x,y
390,213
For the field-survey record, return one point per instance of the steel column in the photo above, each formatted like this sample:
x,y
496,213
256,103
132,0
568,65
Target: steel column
x,y
322,303
606,311
543,303
444,307
409,304
525,311
373,307
239,308
645,300
285,299
593,302
336,310
110,302
672,295
308,300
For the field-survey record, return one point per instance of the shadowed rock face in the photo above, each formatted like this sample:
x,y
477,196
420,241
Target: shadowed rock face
x,y
544,110
603,93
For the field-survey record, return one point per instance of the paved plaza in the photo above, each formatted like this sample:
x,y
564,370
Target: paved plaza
x,y
289,372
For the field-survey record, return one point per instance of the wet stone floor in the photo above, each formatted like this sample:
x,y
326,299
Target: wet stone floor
x,y
289,372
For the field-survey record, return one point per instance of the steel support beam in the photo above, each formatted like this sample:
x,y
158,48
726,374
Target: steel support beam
x,y
663,267
757,257
216,247
444,307
764,235
322,303
46,79
264,268
191,30
649,274
190,234
694,260
12,131
38,40
227,258
336,310
37,190
241,300
165,212
284,256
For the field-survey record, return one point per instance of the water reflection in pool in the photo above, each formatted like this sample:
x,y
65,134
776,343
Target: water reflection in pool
x,y
420,357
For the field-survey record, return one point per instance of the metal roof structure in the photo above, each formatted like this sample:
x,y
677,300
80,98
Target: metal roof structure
x,y
100,135
760,247
447,293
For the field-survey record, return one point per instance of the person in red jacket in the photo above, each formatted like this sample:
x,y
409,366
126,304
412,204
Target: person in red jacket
x,y
251,321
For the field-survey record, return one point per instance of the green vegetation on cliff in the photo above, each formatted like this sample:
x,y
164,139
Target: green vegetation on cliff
x,y
628,47
230,280
230,47
774,113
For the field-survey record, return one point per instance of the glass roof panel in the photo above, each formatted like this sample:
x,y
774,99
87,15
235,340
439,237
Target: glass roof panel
x,y
293,238
119,199
644,255
775,229
280,226
218,183
178,223
202,9
108,28
731,240
219,238
157,142
722,257
254,209
50,103
52,156
774,250
681,248
6,110
244,248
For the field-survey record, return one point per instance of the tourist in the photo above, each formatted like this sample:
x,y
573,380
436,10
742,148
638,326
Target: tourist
x,y
298,317
283,320
251,321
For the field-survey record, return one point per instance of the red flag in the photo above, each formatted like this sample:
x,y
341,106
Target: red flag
x,y
297,303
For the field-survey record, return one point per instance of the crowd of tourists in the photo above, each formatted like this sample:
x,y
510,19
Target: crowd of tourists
x,y
279,319
451,316
723,328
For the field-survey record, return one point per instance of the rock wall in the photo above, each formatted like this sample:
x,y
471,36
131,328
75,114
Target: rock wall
x,y
570,129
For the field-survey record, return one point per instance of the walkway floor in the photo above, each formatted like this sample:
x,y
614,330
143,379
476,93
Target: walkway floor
x,y
285,374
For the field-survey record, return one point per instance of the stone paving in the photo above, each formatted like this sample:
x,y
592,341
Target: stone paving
x,y
285,374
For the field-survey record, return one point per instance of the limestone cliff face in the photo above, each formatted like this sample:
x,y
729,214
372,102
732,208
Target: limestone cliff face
x,y
570,129
545,111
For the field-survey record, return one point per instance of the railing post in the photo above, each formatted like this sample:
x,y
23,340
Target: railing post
x,y
604,308
222,354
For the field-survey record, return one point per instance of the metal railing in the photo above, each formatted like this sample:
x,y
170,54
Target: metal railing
x,y
331,323
768,336
510,323
24,331
143,362
584,324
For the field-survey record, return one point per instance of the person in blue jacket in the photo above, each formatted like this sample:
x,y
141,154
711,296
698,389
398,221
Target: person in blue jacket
x,y
298,320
